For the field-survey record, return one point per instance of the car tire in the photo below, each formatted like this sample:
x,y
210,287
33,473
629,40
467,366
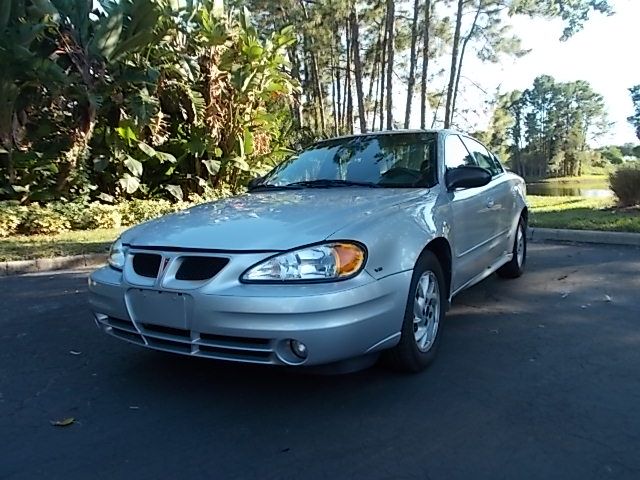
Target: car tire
x,y
515,267
420,335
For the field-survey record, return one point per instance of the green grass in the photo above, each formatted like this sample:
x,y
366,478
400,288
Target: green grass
x,y
68,243
580,213
549,212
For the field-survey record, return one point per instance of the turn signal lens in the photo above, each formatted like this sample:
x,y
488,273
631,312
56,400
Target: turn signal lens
x,y
349,258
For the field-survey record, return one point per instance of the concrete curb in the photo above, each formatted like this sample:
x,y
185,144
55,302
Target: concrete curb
x,y
18,267
584,236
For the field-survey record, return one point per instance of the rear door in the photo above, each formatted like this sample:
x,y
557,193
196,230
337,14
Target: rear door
x,y
473,217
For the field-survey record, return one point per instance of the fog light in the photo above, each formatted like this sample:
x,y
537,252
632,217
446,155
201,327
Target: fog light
x,y
299,349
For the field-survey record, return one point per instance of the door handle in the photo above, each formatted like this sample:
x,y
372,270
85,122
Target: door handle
x,y
490,203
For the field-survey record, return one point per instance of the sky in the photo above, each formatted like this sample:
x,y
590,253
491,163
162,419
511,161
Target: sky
x,y
604,53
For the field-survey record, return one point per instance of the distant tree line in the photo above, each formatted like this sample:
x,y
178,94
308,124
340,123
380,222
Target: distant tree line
x,y
545,129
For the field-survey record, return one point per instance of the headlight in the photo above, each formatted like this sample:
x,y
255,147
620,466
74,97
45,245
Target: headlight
x,y
326,262
117,255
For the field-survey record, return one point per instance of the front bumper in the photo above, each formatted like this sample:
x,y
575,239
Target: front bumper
x,y
255,323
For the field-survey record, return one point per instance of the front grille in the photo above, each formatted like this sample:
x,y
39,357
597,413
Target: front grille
x,y
188,342
200,268
146,264
174,332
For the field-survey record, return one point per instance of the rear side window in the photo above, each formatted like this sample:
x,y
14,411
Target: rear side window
x,y
496,161
482,156
456,154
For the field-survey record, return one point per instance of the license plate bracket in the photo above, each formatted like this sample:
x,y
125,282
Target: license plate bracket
x,y
155,307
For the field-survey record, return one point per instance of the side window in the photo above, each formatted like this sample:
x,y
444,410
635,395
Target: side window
x,y
483,158
456,154
496,161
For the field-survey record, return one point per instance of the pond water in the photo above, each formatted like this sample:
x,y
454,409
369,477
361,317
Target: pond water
x,y
567,190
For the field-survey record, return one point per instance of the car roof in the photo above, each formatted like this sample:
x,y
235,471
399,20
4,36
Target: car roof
x,y
391,132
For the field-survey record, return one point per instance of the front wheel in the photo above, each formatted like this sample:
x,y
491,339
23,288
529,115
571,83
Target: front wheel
x,y
515,267
423,318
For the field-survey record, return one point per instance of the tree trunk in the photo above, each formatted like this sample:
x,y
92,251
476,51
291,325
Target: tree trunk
x,y
436,110
296,107
357,68
319,94
464,47
383,69
317,84
333,91
338,79
425,64
454,65
412,64
308,87
372,80
390,53
348,110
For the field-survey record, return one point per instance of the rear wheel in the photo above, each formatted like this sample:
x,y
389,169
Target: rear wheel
x,y
515,267
423,318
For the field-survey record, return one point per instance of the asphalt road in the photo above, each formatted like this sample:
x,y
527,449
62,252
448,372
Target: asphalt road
x,y
536,378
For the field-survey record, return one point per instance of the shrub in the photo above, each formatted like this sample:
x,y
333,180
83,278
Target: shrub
x,y
10,219
43,221
60,217
98,215
625,183
137,211
74,212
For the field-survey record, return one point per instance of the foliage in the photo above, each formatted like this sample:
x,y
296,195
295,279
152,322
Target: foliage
x,y
137,211
546,128
625,183
11,217
113,100
43,221
102,216
635,118
135,98
612,154
58,217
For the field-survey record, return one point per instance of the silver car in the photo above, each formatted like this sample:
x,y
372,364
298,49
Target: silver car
x,y
352,247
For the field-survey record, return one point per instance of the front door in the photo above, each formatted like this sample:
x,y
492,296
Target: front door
x,y
474,219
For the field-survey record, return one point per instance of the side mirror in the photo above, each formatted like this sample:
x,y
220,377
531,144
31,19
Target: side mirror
x,y
254,182
467,177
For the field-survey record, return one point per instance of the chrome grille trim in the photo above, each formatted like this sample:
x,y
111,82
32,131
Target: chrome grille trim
x,y
188,342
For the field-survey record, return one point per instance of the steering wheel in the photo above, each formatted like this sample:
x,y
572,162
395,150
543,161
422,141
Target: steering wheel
x,y
401,175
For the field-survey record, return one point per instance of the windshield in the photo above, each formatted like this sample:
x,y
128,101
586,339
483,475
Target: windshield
x,y
391,160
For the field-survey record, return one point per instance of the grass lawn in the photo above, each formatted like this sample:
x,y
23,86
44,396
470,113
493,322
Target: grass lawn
x,y
68,243
549,212
580,213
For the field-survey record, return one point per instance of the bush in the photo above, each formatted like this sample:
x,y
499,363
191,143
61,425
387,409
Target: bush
x,y
625,183
98,215
74,212
137,211
10,219
43,221
60,217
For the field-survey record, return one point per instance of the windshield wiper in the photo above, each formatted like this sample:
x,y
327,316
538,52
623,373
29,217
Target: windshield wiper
x,y
328,183
268,186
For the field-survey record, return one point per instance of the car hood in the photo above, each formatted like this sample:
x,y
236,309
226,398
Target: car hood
x,y
278,220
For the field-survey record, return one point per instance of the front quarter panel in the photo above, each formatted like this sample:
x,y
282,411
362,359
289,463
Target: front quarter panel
x,y
396,237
